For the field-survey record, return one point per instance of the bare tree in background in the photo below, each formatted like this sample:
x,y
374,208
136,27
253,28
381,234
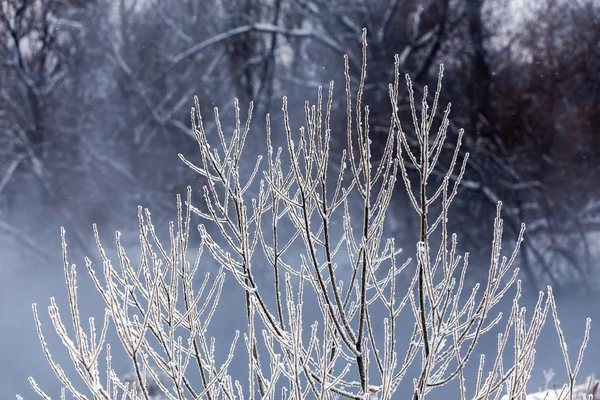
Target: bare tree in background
x,y
546,111
351,351
94,111
38,42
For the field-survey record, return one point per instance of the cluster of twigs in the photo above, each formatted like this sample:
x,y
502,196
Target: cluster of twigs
x,y
161,314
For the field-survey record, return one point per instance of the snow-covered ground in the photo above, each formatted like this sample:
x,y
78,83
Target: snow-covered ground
x,y
585,391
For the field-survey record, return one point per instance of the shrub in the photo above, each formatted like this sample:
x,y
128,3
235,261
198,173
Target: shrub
x,y
161,313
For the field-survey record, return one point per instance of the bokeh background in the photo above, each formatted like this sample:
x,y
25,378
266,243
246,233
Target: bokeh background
x,y
94,108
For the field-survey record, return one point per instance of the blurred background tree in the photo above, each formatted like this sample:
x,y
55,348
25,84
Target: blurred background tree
x,y
95,98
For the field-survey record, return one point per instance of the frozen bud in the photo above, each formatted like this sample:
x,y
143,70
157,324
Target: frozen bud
x,y
373,393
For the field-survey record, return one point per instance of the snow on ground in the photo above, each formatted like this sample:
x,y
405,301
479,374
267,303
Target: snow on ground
x,y
585,391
